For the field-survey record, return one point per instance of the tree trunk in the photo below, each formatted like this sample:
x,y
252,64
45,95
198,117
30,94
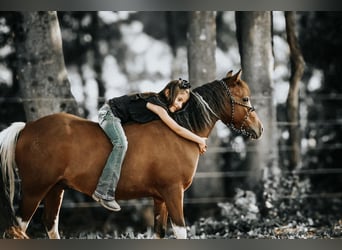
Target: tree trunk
x,y
42,76
202,69
297,70
201,47
255,45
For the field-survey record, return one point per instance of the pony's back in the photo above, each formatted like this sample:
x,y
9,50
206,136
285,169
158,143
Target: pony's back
x,y
73,151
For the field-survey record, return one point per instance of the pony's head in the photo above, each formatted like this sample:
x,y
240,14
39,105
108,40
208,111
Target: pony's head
x,y
239,113
227,100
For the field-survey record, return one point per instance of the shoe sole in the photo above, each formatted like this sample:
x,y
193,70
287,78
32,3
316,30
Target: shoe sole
x,y
109,208
95,198
104,204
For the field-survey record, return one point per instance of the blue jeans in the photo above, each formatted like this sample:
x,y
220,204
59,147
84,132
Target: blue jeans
x,y
111,172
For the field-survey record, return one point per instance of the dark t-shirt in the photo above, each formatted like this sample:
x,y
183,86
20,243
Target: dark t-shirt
x,y
132,108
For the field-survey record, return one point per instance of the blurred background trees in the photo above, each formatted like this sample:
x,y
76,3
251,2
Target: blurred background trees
x,y
41,72
254,35
74,61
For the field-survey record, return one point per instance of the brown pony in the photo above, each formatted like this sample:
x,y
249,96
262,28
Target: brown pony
x,y
63,150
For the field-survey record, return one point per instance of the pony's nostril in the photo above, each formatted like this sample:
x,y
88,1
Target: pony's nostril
x,y
261,130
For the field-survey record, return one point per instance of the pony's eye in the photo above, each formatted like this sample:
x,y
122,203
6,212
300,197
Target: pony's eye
x,y
245,99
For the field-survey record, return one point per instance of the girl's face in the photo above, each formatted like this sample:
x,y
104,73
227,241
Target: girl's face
x,y
181,98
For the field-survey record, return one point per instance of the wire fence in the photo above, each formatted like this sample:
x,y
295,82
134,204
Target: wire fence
x,y
218,199
236,174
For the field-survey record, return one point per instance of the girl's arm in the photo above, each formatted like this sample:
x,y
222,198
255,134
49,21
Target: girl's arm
x,y
174,126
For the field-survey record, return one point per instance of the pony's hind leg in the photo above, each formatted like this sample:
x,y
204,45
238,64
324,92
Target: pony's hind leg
x,y
174,205
160,218
52,205
28,206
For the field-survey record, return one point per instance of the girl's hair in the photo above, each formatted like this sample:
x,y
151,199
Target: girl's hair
x,y
174,87
196,114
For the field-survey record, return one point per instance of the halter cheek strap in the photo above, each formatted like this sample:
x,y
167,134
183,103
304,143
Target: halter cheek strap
x,y
250,109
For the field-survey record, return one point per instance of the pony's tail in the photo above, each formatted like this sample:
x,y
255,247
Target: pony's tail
x,y
8,141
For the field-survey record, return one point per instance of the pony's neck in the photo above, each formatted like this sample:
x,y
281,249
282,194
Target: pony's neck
x,y
202,111
207,131
210,94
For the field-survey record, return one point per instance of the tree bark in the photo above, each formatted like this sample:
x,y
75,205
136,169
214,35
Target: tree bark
x,y
255,45
42,76
297,70
202,69
201,47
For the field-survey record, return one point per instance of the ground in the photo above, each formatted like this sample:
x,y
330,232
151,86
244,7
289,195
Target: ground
x,y
239,219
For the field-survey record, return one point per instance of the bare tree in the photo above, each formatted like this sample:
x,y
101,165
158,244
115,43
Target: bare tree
x,y
41,71
297,70
255,44
202,69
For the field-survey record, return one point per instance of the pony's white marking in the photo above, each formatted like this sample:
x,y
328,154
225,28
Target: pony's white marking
x,y
23,224
180,232
53,233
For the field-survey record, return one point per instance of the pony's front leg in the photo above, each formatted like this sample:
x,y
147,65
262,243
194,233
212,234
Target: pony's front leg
x,y
160,219
179,231
52,205
174,205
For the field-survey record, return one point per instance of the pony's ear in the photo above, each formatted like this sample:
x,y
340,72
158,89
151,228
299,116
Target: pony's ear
x,y
230,73
237,76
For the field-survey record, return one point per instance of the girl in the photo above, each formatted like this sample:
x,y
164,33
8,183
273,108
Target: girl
x,y
142,108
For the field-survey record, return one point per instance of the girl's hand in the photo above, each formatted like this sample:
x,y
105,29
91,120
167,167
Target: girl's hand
x,y
175,127
203,145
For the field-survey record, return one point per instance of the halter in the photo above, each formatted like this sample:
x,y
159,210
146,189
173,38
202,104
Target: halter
x,y
240,130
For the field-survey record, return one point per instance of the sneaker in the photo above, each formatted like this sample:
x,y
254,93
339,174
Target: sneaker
x,y
110,205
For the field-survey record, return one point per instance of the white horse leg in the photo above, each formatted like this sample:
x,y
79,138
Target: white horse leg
x,y
53,233
23,224
179,231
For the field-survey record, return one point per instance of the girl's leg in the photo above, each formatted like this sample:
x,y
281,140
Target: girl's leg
x,y
111,125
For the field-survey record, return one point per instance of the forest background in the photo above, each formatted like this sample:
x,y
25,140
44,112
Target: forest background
x,y
295,88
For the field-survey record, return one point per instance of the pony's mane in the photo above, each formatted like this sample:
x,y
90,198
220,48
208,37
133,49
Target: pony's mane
x,y
199,113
